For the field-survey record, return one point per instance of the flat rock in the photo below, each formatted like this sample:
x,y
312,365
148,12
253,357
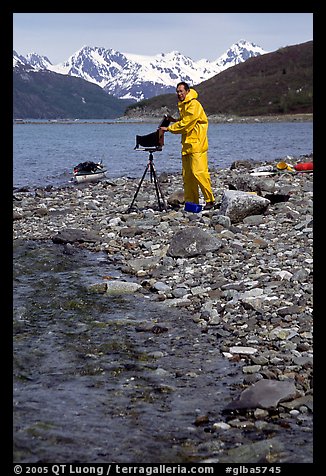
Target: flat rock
x,y
193,241
71,235
264,394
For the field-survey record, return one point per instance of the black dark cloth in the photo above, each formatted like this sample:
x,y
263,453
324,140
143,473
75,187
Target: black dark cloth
x,y
86,167
155,139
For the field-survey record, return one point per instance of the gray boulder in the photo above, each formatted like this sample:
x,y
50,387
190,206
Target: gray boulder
x,y
193,241
264,394
237,205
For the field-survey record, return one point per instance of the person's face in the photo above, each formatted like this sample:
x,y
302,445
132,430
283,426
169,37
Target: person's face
x,y
181,92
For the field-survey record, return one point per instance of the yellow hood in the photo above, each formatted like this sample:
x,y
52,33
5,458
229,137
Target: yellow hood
x,y
192,94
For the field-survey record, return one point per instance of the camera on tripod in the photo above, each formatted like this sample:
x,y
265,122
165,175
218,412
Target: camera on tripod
x,y
155,140
152,143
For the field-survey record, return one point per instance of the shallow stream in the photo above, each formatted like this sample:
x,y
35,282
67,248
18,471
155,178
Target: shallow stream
x,y
89,386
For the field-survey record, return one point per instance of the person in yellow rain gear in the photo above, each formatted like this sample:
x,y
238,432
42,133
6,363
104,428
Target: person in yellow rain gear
x,y
193,125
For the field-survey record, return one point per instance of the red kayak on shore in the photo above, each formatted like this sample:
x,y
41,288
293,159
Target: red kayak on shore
x,y
304,167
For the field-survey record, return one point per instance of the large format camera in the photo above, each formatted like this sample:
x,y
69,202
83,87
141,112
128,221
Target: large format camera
x,y
155,140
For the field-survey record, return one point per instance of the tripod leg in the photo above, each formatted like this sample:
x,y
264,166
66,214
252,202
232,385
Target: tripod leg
x,y
159,193
138,188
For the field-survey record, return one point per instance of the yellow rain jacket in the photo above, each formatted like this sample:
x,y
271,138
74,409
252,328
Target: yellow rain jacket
x,y
193,125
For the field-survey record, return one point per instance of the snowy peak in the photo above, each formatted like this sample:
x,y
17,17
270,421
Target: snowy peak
x,y
95,64
38,62
19,60
32,60
238,53
131,76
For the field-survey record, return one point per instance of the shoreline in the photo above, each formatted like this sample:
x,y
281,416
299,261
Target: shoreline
x,y
216,119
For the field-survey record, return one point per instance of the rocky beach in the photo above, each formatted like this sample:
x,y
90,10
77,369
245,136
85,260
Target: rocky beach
x,y
242,273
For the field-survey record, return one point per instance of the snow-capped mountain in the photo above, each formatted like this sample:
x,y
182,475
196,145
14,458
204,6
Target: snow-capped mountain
x,y
130,76
32,60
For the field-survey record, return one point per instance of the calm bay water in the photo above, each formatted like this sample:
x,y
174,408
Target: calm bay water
x,y
45,153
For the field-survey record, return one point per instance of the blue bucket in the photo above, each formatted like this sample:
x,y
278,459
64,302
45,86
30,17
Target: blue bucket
x,y
193,207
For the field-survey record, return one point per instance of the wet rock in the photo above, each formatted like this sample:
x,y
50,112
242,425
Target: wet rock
x,y
70,235
159,329
115,287
122,287
264,394
98,288
267,451
156,329
201,420
306,401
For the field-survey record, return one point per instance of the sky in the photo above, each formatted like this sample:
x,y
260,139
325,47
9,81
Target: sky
x,y
196,35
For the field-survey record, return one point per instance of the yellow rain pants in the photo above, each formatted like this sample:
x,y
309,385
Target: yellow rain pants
x,y
195,174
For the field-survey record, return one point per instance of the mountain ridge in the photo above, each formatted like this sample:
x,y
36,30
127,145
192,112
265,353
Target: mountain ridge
x,y
137,77
271,83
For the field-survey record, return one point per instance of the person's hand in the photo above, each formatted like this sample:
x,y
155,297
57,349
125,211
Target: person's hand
x,y
164,129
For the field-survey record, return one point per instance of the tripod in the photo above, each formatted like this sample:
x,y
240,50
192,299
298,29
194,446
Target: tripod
x,y
150,167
